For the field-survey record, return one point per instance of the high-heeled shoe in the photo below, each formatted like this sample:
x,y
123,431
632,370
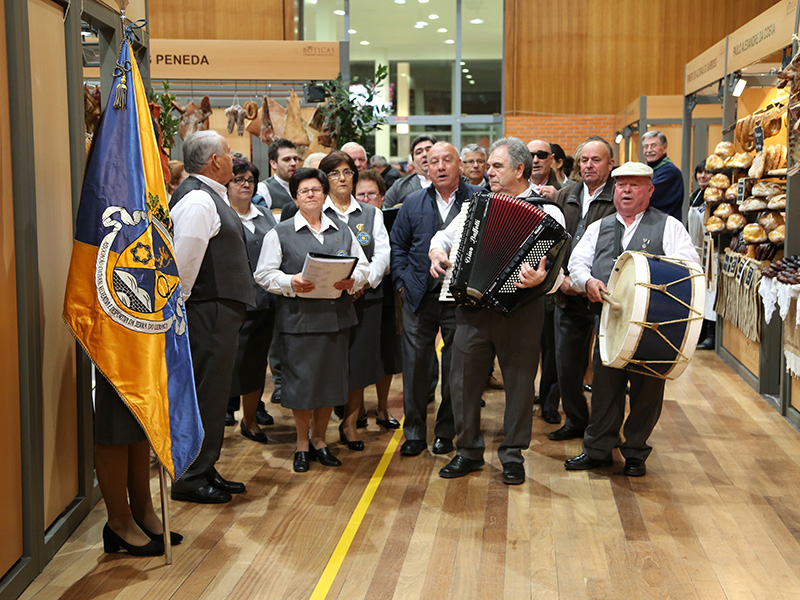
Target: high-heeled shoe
x,y
356,445
112,542
324,456
361,423
175,537
256,436
390,423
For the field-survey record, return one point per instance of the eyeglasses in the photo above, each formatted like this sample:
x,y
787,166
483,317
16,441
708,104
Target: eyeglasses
x,y
540,154
370,195
336,175
309,191
475,161
239,180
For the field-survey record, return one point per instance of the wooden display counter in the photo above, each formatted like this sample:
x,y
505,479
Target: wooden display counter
x,y
746,351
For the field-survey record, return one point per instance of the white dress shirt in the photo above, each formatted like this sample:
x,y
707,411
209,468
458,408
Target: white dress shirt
x,y
263,190
676,243
443,239
247,220
588,198
195,220
423,181
379,265
268,273
444,205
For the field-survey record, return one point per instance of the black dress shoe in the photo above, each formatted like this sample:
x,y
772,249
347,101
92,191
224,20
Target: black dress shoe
x,y
229,419
390,423
442,446
513,473
259,436
114,543
483,402
413,447
325,456
361,423
537,399
275,398
587,388
583,461
174,537
551,416
339,411
232,487
706,344
567,432
460,466
356,445
302,461
203,495
263,417
634,467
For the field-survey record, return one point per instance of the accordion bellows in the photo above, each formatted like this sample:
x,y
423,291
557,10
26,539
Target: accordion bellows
x,y
499,234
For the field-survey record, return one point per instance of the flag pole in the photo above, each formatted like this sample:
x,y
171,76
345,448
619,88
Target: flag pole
x,y
162,476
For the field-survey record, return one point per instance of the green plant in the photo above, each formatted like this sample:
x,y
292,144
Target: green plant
x,y
352,116
166,120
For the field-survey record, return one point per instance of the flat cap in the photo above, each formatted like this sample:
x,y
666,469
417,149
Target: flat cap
x,y
632,169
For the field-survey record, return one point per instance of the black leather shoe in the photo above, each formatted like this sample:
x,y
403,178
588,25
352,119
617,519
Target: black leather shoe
x,y
390,423
361,423
537,399
442,446
413,447
356,445
339,411
483,402
325,456
114,543
587,388
551,416
634,467
460,466
175,538
275,398
301,461
431,398
513,473
232,487
583,461
203,495
229,419
258,436
263,417
706,344
567,432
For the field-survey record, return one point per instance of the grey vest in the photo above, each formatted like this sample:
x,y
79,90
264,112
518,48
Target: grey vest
x,y
225,273
646,238
361,223
263,223
280,197
312,315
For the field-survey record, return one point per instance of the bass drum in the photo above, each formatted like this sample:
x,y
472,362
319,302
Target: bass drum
x,y
655,326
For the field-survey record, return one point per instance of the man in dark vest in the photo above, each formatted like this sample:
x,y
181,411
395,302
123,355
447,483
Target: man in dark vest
x,y
635,226
283,160
423,213
217,284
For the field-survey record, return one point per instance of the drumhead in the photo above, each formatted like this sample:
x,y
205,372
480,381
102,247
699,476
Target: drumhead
x,y
618,336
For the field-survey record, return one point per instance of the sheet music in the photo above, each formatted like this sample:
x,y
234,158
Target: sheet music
x,y
445,295
325,270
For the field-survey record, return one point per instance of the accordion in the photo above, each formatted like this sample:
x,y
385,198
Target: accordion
x,y
499,233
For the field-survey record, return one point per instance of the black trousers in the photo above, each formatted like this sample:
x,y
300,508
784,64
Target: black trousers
x,y
548,383
213,338
574,324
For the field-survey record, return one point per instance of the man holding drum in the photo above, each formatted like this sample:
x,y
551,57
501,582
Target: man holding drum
x,y
635,226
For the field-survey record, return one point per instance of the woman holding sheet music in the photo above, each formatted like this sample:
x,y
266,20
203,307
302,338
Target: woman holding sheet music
x,y
315,332
366,225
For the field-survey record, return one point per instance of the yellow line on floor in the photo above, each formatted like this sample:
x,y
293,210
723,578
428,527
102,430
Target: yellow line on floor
x,y
335,562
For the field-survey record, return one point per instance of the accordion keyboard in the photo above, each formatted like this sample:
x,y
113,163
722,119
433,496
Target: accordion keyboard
x,y
533,258
445,295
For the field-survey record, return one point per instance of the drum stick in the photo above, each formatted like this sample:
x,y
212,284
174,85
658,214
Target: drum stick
x,y
610,299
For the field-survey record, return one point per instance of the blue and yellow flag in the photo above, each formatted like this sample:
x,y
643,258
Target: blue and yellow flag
x,y
123,300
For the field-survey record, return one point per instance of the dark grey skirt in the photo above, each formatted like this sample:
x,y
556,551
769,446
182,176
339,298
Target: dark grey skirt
x,y
365,344
114,423
314,369
255,335
391,322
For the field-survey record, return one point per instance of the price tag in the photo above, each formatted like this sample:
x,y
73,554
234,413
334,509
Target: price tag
x,y
740,192
749,276
759,133
740,270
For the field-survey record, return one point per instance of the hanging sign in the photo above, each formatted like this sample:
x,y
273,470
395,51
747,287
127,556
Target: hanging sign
x,y
705,69
765,34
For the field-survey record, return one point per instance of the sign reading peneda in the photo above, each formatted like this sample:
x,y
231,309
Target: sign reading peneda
x,y
236,59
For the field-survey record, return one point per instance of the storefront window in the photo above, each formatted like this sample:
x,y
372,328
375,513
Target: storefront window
x,y
323,20
481,64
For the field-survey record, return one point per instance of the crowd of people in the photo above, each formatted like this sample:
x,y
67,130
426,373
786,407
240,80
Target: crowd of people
x,y
241,244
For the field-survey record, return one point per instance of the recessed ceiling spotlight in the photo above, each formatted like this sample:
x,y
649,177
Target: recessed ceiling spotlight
x,y
399,1
449,41
442,30
465,70
476,21
469,76
352,31
364,43
472,82
463,63
433,17
421,24
312,1
339,12
424,1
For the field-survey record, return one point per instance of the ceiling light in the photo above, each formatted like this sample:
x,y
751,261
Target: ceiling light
x,y
418,26
364,43
312,1
421,24
352,31
442,30
476,21
339,12
465,70
399,1
433,17
618,139
463,63
424,1
469,76
472,82
449,41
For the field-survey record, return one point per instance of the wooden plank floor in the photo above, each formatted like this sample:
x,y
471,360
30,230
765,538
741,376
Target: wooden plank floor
x,y
716,517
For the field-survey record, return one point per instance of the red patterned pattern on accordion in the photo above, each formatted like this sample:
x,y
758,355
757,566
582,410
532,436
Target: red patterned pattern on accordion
x,y
499,234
